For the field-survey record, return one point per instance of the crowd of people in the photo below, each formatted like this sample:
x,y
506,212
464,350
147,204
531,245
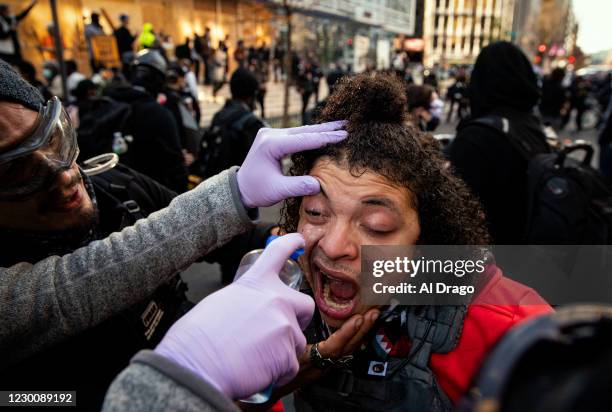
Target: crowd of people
x,y
91,294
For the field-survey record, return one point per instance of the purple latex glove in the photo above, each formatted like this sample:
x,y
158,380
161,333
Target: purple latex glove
x,y
249,334
260,178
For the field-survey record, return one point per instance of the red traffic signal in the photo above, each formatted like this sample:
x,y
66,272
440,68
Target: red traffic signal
x,y
542,48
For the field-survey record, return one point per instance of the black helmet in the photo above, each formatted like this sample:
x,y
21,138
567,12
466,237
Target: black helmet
x,y
151,58
558,362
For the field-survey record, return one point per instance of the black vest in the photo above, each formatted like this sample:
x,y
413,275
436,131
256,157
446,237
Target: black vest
x,y
399,384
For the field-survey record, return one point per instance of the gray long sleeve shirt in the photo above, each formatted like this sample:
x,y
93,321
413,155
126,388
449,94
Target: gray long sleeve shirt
x,y
152,383
59,297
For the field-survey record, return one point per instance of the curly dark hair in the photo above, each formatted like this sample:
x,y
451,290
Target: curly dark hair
x,y
380,140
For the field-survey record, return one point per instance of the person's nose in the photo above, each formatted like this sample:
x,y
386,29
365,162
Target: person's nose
x,y
65,177
340,242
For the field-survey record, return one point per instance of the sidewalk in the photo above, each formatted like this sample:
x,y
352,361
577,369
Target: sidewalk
x,y
273,102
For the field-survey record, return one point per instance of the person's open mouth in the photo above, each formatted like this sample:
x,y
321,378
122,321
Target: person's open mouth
x,y
335,293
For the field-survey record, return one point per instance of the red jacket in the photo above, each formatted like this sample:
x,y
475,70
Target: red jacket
x,y
502,304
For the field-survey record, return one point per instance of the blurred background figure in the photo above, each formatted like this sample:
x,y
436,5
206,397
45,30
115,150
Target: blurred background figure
x,y
554,102
94,28
578,93
125,43
240,54
420,100
147,38
28,72
10,48
457,98
218,69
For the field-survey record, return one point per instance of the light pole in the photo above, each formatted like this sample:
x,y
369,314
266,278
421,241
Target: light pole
x,y
287,64
59,48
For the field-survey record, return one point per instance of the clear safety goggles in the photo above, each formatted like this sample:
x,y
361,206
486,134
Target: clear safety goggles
x,y
49,150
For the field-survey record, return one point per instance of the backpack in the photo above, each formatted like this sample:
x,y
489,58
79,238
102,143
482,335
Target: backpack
x,y
101,128
568,201
224,144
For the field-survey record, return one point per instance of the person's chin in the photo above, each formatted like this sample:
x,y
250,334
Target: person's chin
x,y
73,211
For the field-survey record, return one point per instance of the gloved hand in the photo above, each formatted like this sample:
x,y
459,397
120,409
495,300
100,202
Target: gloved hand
x,y
249,334
261,180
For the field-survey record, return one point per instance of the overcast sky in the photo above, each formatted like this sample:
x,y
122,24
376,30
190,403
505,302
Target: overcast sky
x,y
595,24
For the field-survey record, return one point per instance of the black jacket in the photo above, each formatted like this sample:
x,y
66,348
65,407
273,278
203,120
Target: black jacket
x,y
156,148
503,84
239,127
125,39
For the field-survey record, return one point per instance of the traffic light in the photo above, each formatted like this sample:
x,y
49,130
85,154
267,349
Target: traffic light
x,y
542,48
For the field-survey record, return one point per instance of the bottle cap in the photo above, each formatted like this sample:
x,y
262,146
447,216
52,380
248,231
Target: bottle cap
x,y
295,254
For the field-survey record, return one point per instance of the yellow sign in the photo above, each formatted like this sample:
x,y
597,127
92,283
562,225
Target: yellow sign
x,y
105,50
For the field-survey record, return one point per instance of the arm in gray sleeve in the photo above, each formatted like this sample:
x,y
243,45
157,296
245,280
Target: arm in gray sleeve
x,y
153,383
59,297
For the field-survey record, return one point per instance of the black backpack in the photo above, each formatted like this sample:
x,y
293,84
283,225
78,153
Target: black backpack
x,y
568,201
102,127
224,144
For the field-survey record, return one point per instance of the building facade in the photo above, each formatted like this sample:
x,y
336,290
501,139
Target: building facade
x,y
179,19
456,30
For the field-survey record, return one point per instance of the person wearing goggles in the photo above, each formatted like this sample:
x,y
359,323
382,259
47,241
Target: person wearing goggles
x,y
41,188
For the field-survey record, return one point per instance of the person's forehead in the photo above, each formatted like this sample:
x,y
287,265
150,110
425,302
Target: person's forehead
x,y
16,123
365,188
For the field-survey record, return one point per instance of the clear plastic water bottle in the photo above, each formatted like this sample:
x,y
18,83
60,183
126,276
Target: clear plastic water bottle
x,y
291,274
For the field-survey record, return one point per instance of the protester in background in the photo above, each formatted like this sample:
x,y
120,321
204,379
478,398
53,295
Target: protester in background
x,y
218,70
554,99
261,74
167,46
191,83
224,45
51,73
456,95
196,57
125,43
278,62
28,72
317,75
73,78
94,28
305,85
206,53
10,49
156,149
235,124
332,78
147,38
420,99
503,85
240,54
579,91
